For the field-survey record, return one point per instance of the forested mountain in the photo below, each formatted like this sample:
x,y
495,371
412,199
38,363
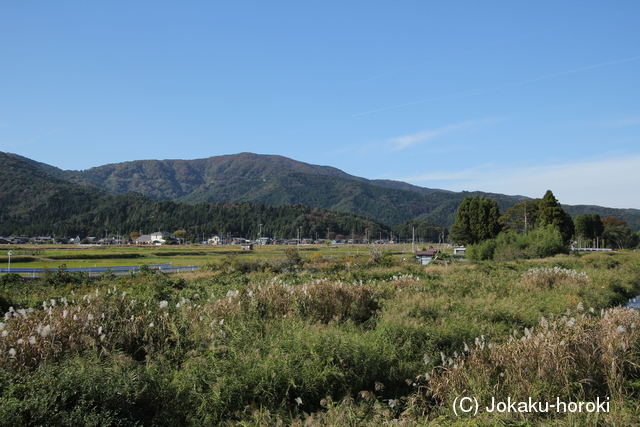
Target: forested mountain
x,y
263,179
34,202
273,180
631,216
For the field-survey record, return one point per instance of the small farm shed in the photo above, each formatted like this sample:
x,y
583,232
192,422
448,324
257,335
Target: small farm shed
x,y
459,251
425,257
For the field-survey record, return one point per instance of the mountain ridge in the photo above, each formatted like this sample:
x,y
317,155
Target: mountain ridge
x,y
278,180
269,179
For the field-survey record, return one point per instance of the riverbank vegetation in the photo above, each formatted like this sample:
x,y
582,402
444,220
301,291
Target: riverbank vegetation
x,y
359,339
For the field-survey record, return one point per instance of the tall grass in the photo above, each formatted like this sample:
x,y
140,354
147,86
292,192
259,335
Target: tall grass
x,y
357,345
580,356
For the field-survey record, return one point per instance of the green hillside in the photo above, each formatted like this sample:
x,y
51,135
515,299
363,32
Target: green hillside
x,y
273,180
246,177
36,203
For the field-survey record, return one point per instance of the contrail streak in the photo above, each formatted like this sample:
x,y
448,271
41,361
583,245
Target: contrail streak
x,y
479,91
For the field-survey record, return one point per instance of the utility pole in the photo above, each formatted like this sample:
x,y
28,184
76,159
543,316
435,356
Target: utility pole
x,y
413,241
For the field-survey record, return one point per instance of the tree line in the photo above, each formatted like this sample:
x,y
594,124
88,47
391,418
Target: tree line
x,y
479,222
70,214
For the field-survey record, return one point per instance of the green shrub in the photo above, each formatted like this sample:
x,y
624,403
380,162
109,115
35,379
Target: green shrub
x,y
481,251
606,261
61,277
85,392
11,281
540,243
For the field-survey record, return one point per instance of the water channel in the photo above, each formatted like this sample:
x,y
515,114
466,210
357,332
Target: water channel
x,y
634,303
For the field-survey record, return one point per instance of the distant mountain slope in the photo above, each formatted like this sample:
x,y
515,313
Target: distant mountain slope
x,y
34,202
272,180
631,216
200,179
276,180
29,195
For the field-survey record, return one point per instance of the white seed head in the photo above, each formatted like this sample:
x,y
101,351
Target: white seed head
x,y
45,331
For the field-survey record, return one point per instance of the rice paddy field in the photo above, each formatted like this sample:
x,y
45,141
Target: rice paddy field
x,y
39,256
321,336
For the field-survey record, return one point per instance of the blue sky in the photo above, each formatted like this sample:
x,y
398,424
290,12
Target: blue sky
x,y
512,97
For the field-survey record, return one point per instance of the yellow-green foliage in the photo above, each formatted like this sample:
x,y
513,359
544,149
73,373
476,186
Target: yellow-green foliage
x,y
579,356
348,346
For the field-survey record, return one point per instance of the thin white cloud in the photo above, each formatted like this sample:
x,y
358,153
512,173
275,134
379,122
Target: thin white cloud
x,y
629,121
604,182
404,141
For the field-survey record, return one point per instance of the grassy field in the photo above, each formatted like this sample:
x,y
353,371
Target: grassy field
x,y
323,336
30,256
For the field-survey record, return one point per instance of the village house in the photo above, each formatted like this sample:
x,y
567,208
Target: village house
x,y
157,238
217,240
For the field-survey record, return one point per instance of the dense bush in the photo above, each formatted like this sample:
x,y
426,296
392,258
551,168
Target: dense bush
x,y
540,243
482,251
601,261
61,277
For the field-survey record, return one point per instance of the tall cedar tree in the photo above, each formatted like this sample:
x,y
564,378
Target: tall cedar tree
x,y
551,213
477,219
